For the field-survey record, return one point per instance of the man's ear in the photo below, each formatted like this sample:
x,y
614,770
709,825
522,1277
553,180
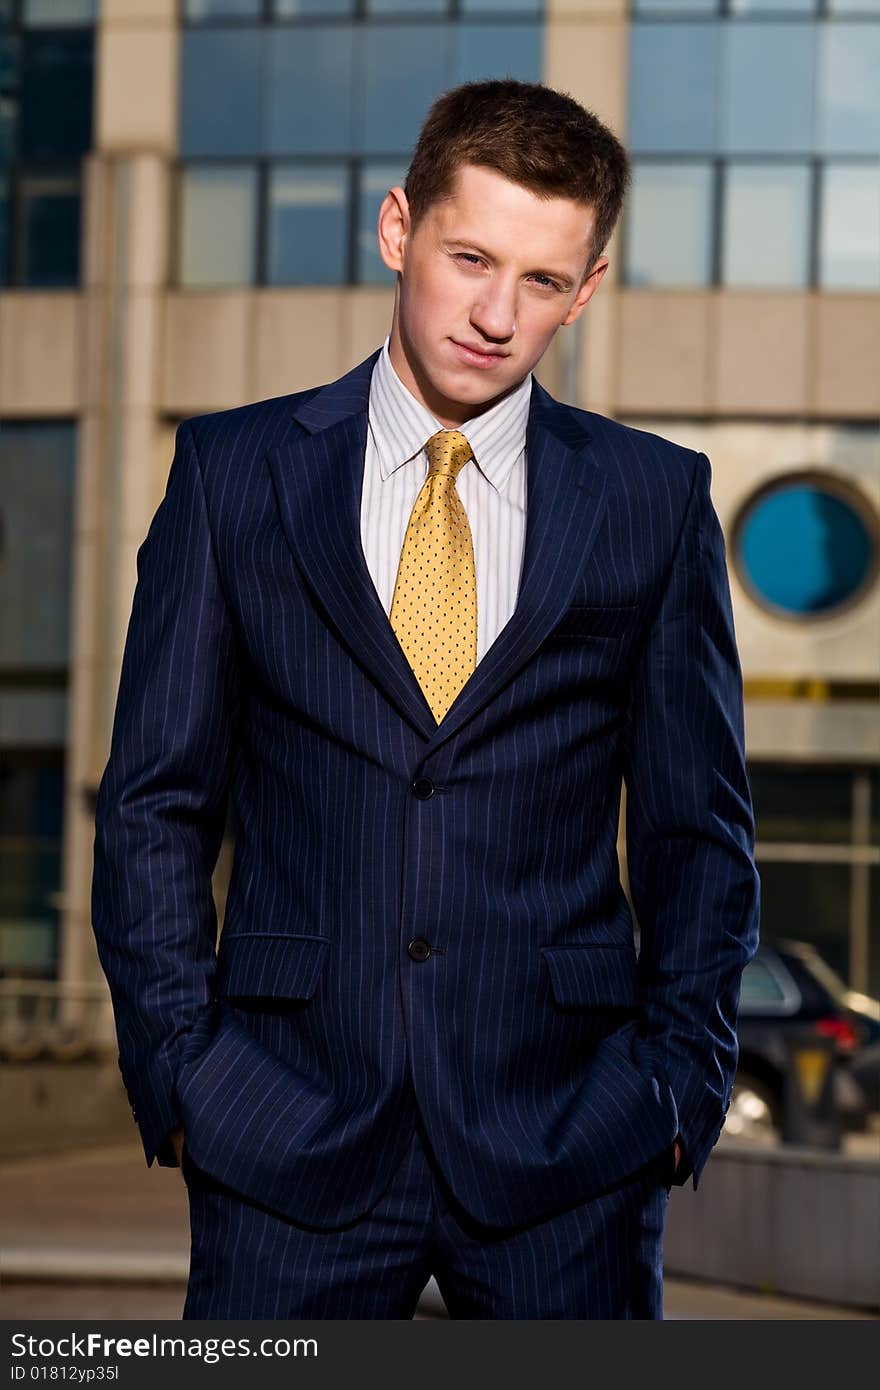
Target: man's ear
x,y
586,291
393,228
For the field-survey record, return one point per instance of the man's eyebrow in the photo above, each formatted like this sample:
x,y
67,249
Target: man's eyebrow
x,y
472,246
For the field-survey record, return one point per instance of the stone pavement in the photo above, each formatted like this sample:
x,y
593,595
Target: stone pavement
x,y
94,1233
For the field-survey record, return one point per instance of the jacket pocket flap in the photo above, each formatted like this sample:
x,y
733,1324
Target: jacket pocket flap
x,y
598,974
277,964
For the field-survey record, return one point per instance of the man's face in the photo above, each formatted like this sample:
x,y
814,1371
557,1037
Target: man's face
x,y
494,268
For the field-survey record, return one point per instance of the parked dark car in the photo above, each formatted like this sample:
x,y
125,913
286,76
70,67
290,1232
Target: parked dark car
x,y
788,984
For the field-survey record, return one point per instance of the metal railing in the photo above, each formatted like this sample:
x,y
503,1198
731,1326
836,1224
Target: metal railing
x,y
50,1021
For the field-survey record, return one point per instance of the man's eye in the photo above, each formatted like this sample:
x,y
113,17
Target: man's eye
x,y
466,256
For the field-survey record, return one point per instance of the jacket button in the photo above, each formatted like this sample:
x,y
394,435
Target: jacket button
x,y
418,949
423,787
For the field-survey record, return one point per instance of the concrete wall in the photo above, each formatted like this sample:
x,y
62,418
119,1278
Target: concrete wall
x,y
786,1221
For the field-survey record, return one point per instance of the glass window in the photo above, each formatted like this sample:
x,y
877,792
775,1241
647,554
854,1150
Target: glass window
x,y
504,6
676,6
5,211
802,804
410,63
803,548
759,987
499,50
50,229
31,821
8,128
768,84
56,95
9,53
310,86
854,6
773,6
221,97
849,233
809,902
59,12
668,225
37,468
285,9
217,227
765,238
849,92
308,225
407,6
376,179
222,9
673,85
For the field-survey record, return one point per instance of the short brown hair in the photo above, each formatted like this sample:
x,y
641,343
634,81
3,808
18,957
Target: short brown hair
x,y
533,135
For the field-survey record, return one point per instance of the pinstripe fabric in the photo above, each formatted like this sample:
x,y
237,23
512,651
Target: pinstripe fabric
x,y
492,490
545,1058
600,1259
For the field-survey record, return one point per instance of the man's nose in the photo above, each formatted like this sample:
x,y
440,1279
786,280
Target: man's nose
x,y
494,314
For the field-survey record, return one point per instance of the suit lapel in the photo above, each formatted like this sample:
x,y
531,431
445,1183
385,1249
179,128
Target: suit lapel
x,y
318,478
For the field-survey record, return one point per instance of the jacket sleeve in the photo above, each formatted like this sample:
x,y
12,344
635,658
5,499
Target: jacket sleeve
x,y
690,830
162,800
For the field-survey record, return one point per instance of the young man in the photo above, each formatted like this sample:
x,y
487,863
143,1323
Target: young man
x,y
420,623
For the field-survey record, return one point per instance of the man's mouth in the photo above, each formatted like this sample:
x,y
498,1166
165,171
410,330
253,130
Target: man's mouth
x,y
476,356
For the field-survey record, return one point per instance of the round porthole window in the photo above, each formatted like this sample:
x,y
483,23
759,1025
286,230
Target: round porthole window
x,y
806,545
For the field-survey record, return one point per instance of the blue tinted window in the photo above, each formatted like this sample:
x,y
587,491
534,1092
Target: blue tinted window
x,y
9,60
221,101
405,68
765,233
849,89
310,88
56,95
849,234
4,227
759,987
36,481
499,50
804,549
222,9
668,225
50,216
376,179
769,79
500,6
677,6
286,9
308,225
773,6
218,225
8,128
674,81
59,12
403,7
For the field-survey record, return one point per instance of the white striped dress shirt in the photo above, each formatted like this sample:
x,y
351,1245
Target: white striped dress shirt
x,y
492,488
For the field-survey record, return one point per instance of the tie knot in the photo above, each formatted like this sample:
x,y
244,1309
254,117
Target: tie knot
x,y
448,452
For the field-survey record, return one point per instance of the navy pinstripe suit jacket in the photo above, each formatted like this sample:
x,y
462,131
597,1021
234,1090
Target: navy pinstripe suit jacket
x,y
547,1057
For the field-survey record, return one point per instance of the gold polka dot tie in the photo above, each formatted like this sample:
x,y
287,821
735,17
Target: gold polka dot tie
x,y
434,608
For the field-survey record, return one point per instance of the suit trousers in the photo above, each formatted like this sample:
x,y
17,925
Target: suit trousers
x,y
600,1259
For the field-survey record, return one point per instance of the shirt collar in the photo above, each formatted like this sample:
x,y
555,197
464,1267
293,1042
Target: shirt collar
x,y
401,425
